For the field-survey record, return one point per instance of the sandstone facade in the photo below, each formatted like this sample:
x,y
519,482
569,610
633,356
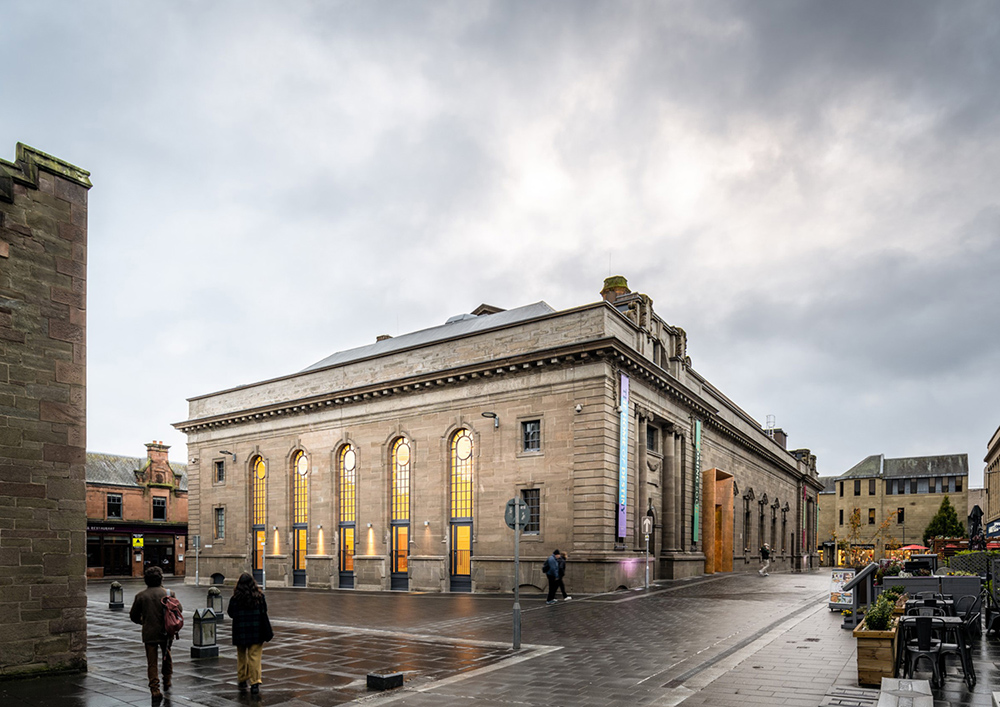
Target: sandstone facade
x,y
43,275
552,383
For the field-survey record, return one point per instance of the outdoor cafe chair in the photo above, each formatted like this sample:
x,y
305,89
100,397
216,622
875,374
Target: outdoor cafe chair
x,y
919,641
925,610
965,605
955,641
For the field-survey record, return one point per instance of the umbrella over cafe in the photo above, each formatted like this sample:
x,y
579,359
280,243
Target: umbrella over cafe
x,y
914,547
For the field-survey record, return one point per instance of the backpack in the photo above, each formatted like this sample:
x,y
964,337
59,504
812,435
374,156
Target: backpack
x,y
173,617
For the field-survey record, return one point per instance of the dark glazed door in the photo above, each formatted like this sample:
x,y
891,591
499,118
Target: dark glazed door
x,y
461,557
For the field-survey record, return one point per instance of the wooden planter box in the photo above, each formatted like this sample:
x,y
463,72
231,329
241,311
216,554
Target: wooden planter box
x,y
876,654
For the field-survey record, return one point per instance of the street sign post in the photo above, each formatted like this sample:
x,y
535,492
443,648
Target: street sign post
x,y
647,528
516,515
196,543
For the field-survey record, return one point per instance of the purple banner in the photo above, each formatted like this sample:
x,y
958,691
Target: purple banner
x,y
623,458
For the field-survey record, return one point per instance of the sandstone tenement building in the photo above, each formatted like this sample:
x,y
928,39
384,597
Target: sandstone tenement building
x,y
389,466
136,513
43,276
906,491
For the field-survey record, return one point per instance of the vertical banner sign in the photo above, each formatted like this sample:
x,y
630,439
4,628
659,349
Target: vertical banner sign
x,y
623,456
805,497
697,480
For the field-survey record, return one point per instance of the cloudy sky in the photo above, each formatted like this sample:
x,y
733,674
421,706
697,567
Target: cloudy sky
x,y
809,189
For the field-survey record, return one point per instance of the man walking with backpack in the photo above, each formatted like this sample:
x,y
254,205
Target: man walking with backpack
x,y
148,610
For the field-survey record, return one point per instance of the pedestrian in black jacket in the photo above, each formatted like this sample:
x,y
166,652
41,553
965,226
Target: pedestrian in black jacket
x,y
551,570
251,629
560,585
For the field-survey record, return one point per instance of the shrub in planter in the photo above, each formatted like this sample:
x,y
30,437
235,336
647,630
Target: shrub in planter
x,y
877,643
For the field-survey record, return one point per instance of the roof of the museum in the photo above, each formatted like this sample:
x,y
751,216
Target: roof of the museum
x,y
941,465
829,483
459,325
116,470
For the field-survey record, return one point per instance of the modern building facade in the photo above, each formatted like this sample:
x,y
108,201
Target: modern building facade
x,y
389,466
137,512
991,476
43,421
906,492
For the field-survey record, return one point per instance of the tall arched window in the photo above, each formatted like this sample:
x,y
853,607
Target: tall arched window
x,y
347,462
461,459
400,520
300,517
258,472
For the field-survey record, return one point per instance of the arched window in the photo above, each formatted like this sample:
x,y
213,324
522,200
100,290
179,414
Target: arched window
x,y
347,461
300,517
258,472
400,519
461,458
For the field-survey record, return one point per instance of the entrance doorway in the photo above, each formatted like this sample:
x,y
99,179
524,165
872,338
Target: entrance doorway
x,y
400,579
347,557
159,552
717,510
461,557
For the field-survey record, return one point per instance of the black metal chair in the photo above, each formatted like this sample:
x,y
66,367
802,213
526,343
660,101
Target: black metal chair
x,y
925,610
955,641
919,641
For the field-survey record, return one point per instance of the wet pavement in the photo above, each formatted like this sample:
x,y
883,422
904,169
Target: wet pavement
x,y
720,640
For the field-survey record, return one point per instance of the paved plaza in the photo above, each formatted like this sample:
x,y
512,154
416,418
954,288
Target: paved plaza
x,y
722,640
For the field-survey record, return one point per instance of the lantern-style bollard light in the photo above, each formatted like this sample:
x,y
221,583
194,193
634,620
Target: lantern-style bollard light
x,y
117,601
215,603
203,635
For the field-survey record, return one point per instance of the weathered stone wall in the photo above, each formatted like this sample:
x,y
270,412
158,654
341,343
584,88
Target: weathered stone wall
x,y
43,261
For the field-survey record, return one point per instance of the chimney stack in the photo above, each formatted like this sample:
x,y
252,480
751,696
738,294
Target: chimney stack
x,y
614,287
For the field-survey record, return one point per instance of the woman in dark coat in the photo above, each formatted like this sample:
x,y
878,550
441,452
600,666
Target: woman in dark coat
x,y
251,629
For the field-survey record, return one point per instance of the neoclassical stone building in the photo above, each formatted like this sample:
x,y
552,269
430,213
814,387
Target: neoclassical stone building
x,y
389,466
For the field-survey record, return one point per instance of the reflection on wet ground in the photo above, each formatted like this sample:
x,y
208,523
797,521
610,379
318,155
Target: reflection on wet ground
x,y
319,665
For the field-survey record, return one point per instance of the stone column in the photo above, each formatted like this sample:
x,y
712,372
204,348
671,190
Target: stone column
x,y
668,543
641,490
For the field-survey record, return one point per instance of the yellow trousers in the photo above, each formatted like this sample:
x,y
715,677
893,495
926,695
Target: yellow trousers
x,y
248,663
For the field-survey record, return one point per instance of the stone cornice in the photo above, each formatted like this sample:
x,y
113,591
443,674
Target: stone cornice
x,y
608,349
560,356
24,170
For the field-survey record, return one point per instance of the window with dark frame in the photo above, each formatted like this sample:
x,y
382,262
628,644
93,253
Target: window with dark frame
x,y
531,436
871,487
899,516
652,439
220,523
871,516
958,483
841,516
533,497
857,487
220,471
159,508
114,505
841,489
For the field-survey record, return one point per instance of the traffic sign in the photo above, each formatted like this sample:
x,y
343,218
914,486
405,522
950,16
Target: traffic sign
x,y
522,513
137,541
647,525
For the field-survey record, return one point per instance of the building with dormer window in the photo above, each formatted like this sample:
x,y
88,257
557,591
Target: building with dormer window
x,y
136,513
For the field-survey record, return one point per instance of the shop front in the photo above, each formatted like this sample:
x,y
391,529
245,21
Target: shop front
x,y
126,550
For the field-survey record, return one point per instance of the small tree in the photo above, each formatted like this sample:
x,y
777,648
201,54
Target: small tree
x,y
944,524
